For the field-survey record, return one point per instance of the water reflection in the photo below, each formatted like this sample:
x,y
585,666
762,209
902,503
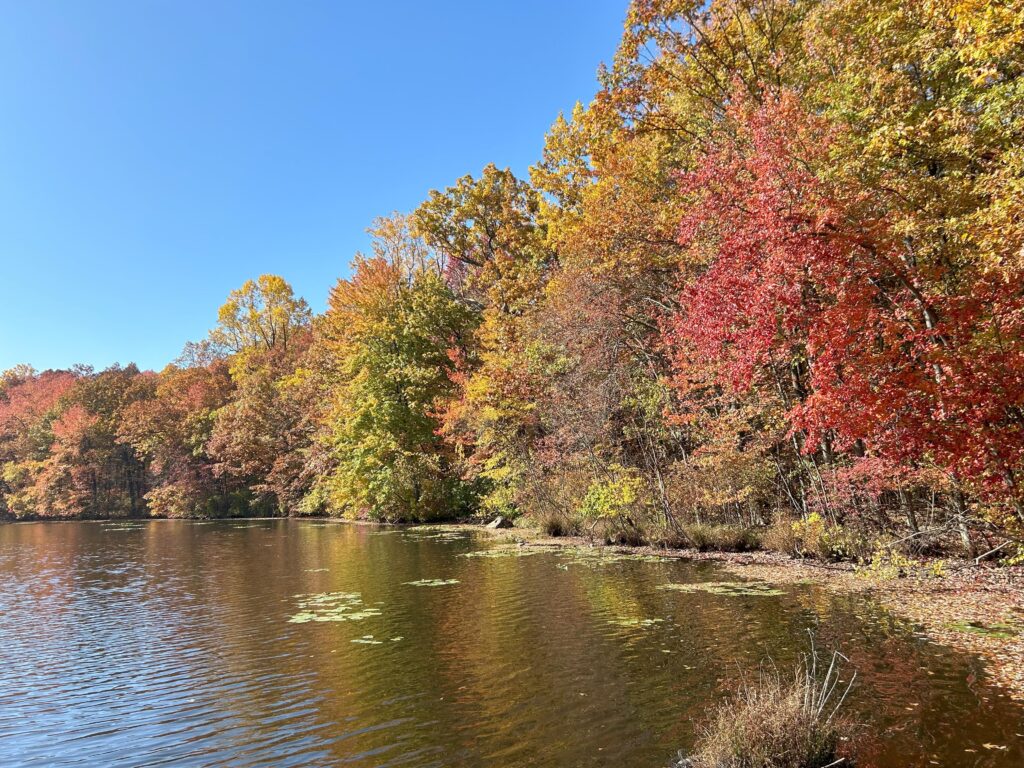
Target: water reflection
x,y
169,643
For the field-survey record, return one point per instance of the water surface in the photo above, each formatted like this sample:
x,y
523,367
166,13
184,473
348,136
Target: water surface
x,y
198,644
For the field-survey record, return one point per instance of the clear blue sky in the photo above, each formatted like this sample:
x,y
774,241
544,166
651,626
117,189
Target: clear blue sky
x,y
155,155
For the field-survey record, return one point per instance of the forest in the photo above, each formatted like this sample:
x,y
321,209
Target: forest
x,y
766,288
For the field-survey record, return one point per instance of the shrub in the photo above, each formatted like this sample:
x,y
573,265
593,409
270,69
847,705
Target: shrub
x,y
887,563
723,538
778,723
615,497
672,538
817,538
554,523
614,504
781,536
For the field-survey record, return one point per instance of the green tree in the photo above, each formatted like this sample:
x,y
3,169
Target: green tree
x,y
391,334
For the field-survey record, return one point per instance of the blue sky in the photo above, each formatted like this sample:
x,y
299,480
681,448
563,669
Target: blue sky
x,y
155,155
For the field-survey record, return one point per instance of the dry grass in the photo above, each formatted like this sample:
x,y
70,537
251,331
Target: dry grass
x,y
780,537
722,538
779,722
556,524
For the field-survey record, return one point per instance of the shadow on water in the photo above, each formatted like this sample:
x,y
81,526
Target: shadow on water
x,y
302,643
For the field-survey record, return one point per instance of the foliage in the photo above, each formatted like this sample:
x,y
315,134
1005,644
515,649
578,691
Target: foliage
x,y
770,272
827,541
887,563
613,498
261,314
170,431
394,332
488,233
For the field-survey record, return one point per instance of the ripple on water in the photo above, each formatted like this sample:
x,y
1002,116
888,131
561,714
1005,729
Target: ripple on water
x,y
172,643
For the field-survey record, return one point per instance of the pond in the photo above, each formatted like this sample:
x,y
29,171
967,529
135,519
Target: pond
x,y
309,643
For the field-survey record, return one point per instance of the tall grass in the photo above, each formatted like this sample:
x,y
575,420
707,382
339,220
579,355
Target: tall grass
x,y
779,721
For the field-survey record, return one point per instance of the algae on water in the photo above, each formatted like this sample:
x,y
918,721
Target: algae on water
x,y
729,588
500,552
597,557
332,606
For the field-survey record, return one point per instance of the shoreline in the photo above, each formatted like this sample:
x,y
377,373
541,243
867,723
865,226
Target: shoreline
x,y
974,609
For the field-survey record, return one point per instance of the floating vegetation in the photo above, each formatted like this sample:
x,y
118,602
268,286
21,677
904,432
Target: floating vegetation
x,y
648,558
632,621
371,640
597,557
591,557
499,552
730,588
126,525
317,570
431,582
443,536
1000,631
332,606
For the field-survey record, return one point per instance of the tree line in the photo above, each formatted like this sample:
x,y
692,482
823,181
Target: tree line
x,y
772,273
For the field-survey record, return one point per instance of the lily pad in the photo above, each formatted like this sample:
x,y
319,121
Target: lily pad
x,y
729,588
598,557
632,621
431,582
500,552
367,640
332,606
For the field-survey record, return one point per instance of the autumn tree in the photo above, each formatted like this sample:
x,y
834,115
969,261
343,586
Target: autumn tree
x,y
171,431
29,404
263,314
391,337
489,231
259,435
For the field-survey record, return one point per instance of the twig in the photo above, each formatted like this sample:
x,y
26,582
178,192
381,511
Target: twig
x,y
979,558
